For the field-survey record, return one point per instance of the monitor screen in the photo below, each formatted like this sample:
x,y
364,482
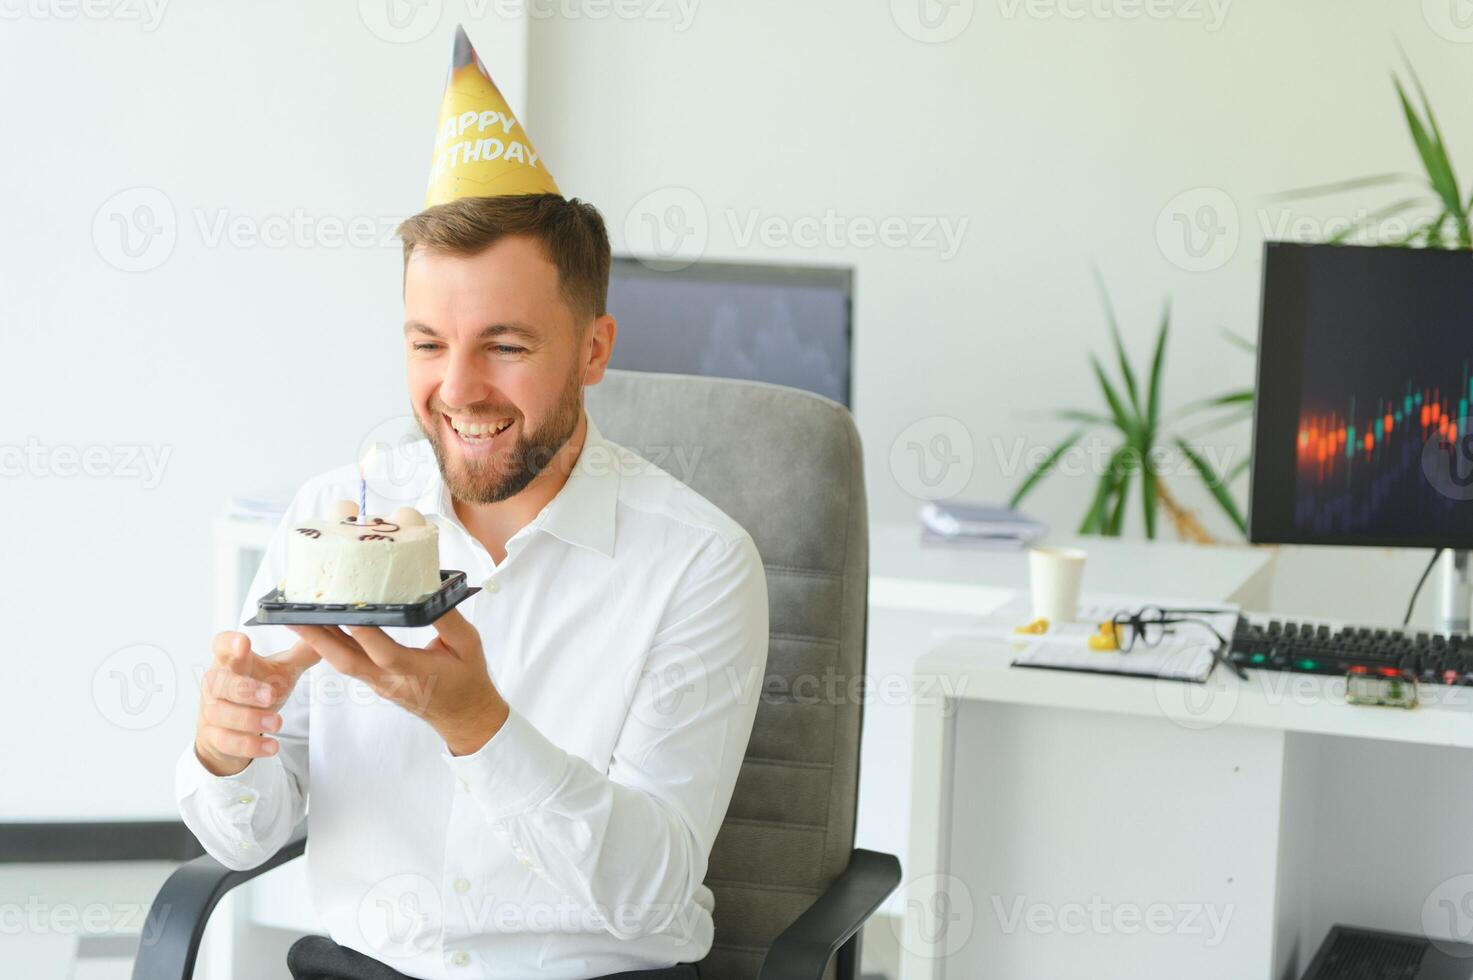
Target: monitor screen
x,y
1365,378
785,325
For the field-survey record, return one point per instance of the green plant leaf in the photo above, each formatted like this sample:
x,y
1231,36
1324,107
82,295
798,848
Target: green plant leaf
x,y
1237,471
1123,418
1432,126
1440,167
1242,343
1339,186
1148,498
1433,231
1214,485
1094,517
1437,172
1433,154
1419,231
1420,137
1153,396
1406,204
1243,396
1075,415
1216,424
1122,495
1125,371
1043,468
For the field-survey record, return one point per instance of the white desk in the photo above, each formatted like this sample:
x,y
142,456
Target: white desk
x,y
907,575
1054,814
917,589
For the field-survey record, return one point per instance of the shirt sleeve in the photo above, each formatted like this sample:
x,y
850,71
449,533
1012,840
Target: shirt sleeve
x,y
632,845
242,820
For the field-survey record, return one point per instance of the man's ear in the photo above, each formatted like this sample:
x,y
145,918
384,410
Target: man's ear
x,y
598,346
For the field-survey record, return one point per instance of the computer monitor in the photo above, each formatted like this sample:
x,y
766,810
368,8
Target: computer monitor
x,y
1365,381
788,325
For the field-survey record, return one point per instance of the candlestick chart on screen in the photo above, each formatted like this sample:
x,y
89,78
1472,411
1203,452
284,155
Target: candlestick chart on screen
x,y
1383,441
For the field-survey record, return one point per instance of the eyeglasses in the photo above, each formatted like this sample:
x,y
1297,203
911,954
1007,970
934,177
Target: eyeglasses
x,y
1149,625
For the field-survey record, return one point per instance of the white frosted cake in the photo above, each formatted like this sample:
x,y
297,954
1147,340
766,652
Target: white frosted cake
x,y
345,559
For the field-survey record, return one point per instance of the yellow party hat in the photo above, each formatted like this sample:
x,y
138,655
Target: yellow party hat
x,y
480,148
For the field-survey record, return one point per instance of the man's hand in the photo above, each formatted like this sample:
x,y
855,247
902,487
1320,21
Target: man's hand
x,y
239,700
445,683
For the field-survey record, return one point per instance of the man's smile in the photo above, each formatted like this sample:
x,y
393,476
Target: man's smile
x,y
478,437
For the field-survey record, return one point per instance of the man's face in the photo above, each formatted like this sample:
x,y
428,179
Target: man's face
x,y
496,364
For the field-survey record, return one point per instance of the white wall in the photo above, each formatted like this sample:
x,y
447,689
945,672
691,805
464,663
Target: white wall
x,y
1064,134
1058,141
251,366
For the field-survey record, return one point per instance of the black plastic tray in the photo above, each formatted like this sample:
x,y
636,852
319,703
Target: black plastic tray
x,y
273,610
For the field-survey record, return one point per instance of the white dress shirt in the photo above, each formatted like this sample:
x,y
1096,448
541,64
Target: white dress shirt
x,y
627,629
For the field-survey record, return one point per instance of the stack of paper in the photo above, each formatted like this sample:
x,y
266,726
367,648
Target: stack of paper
x,y
978,525
257,507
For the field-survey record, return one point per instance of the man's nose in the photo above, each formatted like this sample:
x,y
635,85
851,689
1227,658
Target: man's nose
x,y
467,381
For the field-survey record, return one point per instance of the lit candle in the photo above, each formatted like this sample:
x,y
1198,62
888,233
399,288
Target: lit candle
x,y
363,464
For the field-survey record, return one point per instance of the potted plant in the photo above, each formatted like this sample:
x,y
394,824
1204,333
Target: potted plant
x,y
1451,222
1147,437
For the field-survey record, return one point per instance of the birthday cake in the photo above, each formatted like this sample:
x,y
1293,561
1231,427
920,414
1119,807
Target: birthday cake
x,y
353,559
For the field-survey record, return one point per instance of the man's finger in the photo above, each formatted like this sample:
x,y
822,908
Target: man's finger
x,y
338,649
242,661
239,718
456,632
301,656
229,644
380,648
221,684
238,744
282,670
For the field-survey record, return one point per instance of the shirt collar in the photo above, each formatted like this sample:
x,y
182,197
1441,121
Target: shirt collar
x,y
581,513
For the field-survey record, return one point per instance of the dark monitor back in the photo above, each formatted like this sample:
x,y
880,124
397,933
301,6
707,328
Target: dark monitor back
x,y
1365,379
784,325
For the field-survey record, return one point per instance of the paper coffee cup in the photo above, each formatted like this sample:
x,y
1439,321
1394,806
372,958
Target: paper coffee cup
x,y
1054,576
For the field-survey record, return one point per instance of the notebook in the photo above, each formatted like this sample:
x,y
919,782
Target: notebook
x,y
1184,654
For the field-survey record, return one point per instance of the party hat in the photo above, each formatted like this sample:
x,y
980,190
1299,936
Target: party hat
x,y
480,148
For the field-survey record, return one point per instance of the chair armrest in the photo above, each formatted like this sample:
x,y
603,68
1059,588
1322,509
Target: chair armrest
x,y
183,906
803,950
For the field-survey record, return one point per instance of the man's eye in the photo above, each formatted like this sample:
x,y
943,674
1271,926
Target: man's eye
x,y
508,349
426,346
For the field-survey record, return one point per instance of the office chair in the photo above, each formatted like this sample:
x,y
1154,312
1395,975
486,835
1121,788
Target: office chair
x,y
791,890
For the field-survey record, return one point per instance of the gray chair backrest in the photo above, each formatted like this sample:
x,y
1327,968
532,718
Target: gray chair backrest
x,y
786,465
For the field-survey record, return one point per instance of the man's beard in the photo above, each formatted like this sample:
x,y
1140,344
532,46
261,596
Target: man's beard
x,y
491,480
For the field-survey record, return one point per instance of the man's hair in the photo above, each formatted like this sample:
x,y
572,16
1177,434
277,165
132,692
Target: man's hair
x,y
570,232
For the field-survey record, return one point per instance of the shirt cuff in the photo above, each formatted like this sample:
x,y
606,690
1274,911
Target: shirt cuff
x,y
515,771
237,794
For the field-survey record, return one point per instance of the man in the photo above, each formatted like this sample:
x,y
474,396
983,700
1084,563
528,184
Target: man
x,y
530,788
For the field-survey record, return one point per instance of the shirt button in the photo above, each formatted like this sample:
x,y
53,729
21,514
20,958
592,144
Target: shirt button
x,y
244,799
461,958
462,886
491,585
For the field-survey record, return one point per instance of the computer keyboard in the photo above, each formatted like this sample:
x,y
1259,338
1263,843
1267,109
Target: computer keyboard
x,y
1326,648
